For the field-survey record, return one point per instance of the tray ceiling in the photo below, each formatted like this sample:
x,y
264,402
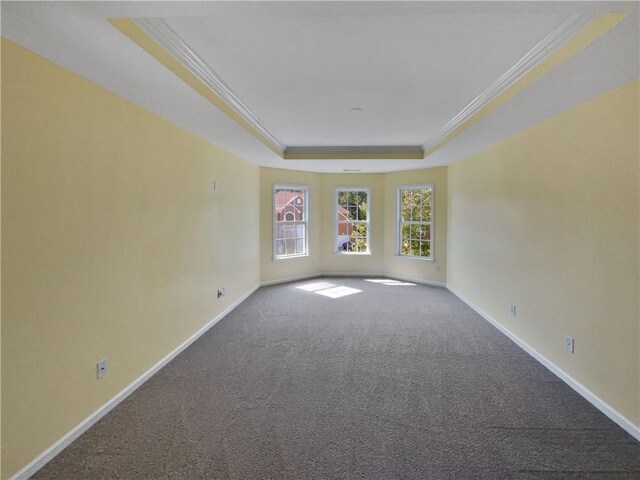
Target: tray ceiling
x,y
340,85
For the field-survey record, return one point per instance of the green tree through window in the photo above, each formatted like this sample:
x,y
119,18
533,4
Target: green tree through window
x,y
415,220
352,221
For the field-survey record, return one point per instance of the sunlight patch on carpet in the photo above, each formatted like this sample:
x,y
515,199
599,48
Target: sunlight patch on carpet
x,y
338,292
312,287
327,289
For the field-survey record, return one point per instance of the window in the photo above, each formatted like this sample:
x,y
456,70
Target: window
x,y
290,220
352,220
415,221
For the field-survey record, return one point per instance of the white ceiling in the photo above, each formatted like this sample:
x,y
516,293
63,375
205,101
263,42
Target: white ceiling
x,y
300,66
300,70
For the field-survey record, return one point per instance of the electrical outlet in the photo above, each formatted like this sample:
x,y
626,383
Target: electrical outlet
x,y
221,292
437,267
568,344
512,310
101,368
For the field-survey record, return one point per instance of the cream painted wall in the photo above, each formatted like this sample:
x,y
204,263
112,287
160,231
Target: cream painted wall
x,y
322,258
406,267
114,244
548,220
281,269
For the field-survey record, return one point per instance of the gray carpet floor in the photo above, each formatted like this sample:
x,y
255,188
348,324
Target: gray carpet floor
x,y
392,381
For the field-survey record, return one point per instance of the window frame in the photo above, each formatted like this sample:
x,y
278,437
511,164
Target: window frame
x,y
417,186
274,222
336,194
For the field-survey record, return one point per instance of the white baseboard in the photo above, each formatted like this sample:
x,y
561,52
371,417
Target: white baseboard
x,y
349,274
42,459
592,398
290,279
416,280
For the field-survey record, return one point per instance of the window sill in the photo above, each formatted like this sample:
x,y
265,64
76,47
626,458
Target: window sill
x,y
354,254
289,257
414,257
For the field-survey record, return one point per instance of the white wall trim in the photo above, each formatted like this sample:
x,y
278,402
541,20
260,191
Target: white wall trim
x,y
165,36
416,280
349,274
290,279
41,460
532,58
587,394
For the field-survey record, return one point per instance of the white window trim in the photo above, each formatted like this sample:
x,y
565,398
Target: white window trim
x,y
274,220
399,188
336,191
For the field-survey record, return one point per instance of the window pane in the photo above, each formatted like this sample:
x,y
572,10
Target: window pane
x,y
425,249
290,204
363,210
290,246
352,214
352,205
426,213
343,199
300,245
415,208
405,231
279,201
358,241
426,232
359,229
426,205
405,205
360,244
405,247
293,201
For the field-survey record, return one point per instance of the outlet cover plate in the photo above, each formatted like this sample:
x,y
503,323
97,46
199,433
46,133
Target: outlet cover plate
x,y
568,344
101,368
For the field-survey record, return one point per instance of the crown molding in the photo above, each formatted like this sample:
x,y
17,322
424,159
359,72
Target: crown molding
x,y
158,29
544,48
401,152
155,36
